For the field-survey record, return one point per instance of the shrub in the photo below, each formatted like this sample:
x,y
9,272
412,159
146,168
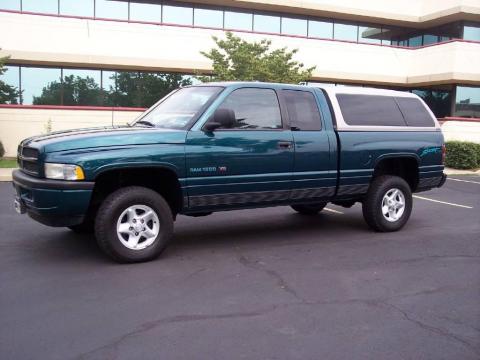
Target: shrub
x,y
462,155
2,150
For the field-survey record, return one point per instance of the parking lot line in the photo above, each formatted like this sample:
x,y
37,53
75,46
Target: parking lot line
x,y
333,211
443,202
467,181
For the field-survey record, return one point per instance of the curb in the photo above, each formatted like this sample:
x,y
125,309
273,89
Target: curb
x,y
450,171
6,174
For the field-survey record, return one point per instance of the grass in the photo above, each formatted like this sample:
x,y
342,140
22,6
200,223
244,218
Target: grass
x,y
8,163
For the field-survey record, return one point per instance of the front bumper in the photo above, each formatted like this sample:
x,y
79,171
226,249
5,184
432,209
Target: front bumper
x,y
52,202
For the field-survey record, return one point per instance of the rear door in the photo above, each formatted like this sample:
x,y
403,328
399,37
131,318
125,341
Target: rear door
x,y
314,170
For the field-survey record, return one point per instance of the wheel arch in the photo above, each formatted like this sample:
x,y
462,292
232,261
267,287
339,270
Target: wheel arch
x,y
405,166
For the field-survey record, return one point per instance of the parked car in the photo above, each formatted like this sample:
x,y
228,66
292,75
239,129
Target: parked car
x,y
225,146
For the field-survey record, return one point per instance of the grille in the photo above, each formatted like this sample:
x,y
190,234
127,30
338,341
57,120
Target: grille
x,y
28,160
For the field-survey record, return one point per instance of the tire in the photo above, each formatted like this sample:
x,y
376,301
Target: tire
x,y
125,233
309,209
376,204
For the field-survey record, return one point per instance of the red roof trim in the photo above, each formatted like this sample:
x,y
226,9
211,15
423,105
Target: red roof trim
x,y
63,107
458,118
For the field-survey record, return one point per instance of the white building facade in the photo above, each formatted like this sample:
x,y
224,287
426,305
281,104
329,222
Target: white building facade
x,y
77,63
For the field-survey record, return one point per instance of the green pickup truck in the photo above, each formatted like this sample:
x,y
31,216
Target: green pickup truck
x,y
225,146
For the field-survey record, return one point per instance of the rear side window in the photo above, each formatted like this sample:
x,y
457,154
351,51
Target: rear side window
x,y
370,110
302,110
414,112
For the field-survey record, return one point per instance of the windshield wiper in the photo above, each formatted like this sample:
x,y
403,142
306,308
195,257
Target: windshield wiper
x,y
144,122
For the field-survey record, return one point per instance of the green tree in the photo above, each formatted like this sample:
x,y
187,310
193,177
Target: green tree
x,y
8,94
141,89
74,90
235,59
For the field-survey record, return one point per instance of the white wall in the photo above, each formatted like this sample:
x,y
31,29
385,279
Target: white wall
x,y
462,131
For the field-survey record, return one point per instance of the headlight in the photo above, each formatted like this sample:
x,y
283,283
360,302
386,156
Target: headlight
x,y
63,172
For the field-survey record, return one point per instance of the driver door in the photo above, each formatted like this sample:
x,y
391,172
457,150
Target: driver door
x,y
248,164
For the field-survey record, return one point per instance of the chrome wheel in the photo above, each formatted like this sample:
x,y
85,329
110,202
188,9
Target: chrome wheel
x,y
138,227
393,205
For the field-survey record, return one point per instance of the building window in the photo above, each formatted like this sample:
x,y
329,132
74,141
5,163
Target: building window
x,y
41,86
82,87
429,39
83,8
266,23
343,31
238,21
177,15
370,35
145,12
44,6
291,26
320,29
471,33
439,101
415,41
467,101
10,89
10,5
208,18
110,9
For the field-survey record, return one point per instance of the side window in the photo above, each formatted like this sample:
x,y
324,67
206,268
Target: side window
x,y
370,110
302,110
414,112
254,108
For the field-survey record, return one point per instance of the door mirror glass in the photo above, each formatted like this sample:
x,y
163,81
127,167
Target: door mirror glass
x,y
222,118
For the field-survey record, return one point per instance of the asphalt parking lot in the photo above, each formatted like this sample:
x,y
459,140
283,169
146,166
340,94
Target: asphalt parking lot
x,y
252,284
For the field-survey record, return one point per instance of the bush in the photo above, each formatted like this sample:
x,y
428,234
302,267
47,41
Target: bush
x,y
462,155
2,150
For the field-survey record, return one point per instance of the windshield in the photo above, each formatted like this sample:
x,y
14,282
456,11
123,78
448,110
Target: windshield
x,y
176,111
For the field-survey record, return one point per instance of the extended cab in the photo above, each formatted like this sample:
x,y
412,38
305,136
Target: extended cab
x,y
224,146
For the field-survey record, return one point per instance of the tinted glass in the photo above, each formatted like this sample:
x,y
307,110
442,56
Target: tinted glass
x,y
369,35
415,41
302,110
208,18
471,33
77,8
109,9
178,109
345,32
254,108
430,39
43,6
238,21
439,101
266,23
145,12
370,110
82,87
177,15
41,86
292,26
467,101
320,29
9,94
10,4
414,112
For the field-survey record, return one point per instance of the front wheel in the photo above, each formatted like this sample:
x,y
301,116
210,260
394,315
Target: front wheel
x,y
133,224
388,204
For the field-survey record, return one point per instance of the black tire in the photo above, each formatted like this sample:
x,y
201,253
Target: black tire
x,y
309,209
372,204
109,213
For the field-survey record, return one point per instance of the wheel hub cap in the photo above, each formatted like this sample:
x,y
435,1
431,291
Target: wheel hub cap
x,y
138,227
393,205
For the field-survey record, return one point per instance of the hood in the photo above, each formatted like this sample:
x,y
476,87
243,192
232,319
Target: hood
x,y
104,137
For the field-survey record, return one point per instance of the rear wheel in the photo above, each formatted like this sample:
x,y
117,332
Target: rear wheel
x,y
388,204
309,209
134,224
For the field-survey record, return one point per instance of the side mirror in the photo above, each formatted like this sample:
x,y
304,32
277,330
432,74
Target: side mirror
x,y
222,118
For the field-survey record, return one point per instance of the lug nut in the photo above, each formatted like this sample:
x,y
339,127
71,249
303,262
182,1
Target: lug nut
x,y
136,234
142,221
134,221
130,228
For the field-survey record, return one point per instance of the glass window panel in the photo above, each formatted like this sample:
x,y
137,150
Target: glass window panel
x,y
467,101
11,78
294,26
109,9
77,8
430,39
415,41
43,6
10,4
41,86
437,100
414,113
238,21
82,87
345,31
370,35
208,18
471,33
145,12
320,29
445,38
108,80
266,23
177,15
302,110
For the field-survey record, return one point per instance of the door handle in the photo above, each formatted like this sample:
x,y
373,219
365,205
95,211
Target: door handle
x,y
285,144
